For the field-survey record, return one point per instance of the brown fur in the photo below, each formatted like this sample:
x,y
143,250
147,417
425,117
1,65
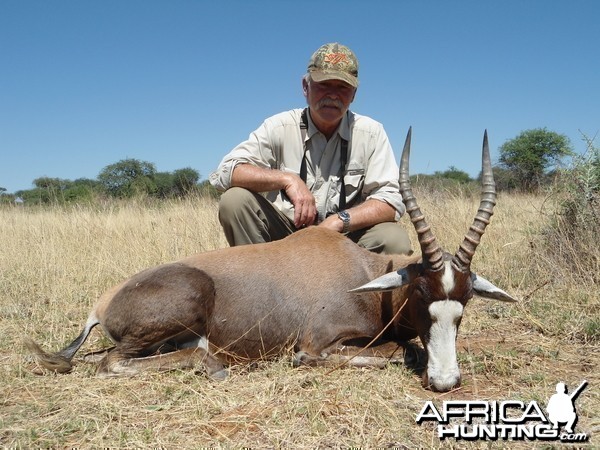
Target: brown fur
x,y
250,302
256,301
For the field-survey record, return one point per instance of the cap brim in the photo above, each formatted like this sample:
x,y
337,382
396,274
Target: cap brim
x,y
324,75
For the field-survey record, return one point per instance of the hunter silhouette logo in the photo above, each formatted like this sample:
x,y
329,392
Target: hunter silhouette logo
x,y
561,407
507,420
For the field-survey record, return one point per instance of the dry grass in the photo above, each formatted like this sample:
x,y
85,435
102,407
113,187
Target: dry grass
x,y
55,262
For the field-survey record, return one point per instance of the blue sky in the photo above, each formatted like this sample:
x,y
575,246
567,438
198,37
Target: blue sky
x,y
84,84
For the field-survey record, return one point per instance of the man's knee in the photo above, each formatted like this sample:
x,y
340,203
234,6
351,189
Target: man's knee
x,y
240,217
398,242
387,237
249,218
232,201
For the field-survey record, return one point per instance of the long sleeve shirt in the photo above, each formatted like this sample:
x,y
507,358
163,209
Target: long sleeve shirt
x,y
371,171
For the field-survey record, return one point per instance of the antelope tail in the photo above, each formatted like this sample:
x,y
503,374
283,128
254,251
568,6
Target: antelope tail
x,y
53,362
59,362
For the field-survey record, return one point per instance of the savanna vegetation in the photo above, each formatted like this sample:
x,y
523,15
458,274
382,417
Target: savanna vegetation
x,y
58,257
125,179
528,162
56,260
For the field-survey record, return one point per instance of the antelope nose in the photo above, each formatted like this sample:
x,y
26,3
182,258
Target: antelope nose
x,y
441,384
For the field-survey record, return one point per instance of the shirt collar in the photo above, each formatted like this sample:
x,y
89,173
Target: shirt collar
x,y
343,129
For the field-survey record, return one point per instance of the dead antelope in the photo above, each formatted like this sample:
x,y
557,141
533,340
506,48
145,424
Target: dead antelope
x,y
257,301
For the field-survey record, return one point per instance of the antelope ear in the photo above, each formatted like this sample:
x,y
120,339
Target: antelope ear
x,y
483,288
387,282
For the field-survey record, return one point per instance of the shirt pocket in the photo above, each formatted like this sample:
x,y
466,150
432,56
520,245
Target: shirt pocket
x,y
353,183
354,180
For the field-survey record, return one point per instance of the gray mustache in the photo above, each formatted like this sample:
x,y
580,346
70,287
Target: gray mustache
x,y
330,102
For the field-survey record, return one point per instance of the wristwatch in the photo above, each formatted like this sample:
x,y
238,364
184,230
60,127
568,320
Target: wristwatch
x,y
345,217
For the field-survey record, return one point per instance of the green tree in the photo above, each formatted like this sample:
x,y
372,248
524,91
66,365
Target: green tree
x,y
165,185
4,197
81,190
505,179
206,189
33,196
128,178
185,180
51,184
51,189
532,154
454,173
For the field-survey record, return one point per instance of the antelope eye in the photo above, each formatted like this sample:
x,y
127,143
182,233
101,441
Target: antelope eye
x,y
420,290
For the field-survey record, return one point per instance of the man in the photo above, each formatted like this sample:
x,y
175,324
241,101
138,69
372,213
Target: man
x,y
323,165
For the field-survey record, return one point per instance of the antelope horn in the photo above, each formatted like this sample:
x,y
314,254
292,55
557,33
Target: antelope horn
x,y
432,254
466,250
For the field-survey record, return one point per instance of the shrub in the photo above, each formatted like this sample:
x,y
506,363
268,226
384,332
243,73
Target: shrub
x,y
571,234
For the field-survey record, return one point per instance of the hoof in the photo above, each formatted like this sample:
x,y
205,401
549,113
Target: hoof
x,y
219,375
299,359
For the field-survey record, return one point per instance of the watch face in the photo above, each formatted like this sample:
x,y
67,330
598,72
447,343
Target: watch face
x,y
345,218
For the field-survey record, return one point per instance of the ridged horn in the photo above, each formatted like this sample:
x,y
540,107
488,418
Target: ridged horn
x,y
466,250
430,250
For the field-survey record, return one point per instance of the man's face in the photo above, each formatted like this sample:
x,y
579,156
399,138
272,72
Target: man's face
x,y
328,100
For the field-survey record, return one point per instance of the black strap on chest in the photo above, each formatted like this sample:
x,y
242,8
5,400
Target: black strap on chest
x,y
343,158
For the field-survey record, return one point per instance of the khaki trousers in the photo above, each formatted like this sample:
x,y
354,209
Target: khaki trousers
x,y
249,218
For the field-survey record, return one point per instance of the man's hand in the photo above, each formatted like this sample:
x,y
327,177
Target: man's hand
x,y
333,222
365,215
305,208
258,179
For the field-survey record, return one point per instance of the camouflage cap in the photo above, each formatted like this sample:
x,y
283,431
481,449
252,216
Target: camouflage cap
x,y
334,62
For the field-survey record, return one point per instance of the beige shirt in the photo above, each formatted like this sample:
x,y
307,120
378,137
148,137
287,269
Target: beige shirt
x,y
371,171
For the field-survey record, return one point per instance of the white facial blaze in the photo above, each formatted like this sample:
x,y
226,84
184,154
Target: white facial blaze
x,y
442,366
448,278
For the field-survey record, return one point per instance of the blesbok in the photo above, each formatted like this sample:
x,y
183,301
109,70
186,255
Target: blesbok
x,y
257,301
